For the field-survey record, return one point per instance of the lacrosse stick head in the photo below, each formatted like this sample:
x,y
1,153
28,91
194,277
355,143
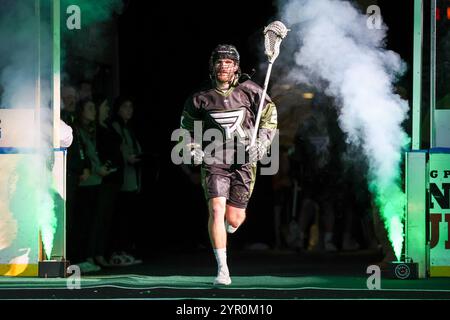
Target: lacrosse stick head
x,y
273,34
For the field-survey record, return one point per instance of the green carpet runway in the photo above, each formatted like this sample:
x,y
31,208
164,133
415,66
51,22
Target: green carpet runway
x,y
243,287
255,275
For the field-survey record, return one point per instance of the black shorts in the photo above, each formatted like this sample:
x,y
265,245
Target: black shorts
x,y
235,184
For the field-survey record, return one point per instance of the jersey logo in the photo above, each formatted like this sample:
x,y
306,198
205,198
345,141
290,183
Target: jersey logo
x,y
230,121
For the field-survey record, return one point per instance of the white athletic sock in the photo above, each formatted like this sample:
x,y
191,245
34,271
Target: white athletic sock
x,y
221,258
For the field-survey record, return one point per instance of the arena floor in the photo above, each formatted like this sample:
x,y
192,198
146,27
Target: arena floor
x,y
278,275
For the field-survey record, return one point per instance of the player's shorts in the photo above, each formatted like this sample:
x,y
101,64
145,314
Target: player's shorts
x,y
235,184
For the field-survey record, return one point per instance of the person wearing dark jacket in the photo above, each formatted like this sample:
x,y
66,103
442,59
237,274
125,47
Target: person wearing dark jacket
x,y
128,211
109,152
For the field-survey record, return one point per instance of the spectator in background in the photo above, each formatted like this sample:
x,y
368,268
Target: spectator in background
x,y
127,215
292,108
109,152
318,147
78,170
69,98
85,90
86,213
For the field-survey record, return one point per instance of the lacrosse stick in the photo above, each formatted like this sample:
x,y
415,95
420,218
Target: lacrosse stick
x,y
273,34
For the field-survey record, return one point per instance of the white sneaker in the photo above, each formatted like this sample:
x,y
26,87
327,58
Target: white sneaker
x,y
222,279
229,227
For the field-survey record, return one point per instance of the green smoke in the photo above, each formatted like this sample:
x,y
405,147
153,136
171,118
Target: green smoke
x,y
31,202
371,113
391,200
46,210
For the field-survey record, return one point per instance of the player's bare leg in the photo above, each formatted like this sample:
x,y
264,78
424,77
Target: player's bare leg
x,y
234,218
218,237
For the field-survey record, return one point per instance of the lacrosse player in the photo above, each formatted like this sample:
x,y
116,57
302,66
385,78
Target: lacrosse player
x,y
228,104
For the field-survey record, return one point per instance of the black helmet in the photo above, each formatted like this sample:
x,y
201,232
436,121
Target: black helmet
x,y
223,51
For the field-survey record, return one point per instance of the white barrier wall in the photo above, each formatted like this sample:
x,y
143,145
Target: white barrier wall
x,y
20,206
19,247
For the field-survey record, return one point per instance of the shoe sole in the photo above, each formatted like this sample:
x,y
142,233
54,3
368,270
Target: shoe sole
x,y
220,283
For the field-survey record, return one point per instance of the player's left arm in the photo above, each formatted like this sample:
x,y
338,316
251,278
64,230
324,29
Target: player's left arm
x,y
268,124
266,132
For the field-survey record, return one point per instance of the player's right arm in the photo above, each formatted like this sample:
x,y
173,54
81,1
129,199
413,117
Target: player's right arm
x,y
190,115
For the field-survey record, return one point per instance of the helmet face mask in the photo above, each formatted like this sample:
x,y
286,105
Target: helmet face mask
x,y
220,63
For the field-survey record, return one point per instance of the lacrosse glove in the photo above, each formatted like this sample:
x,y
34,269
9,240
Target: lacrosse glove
x,y
257,151
196,152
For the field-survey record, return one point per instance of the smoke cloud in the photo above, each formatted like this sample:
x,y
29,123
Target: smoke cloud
x,y
332,47
25,73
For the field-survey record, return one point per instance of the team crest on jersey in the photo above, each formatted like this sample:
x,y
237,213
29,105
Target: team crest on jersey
x,y
230,121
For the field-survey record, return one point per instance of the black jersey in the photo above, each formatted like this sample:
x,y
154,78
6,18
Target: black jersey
x,y
233,113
